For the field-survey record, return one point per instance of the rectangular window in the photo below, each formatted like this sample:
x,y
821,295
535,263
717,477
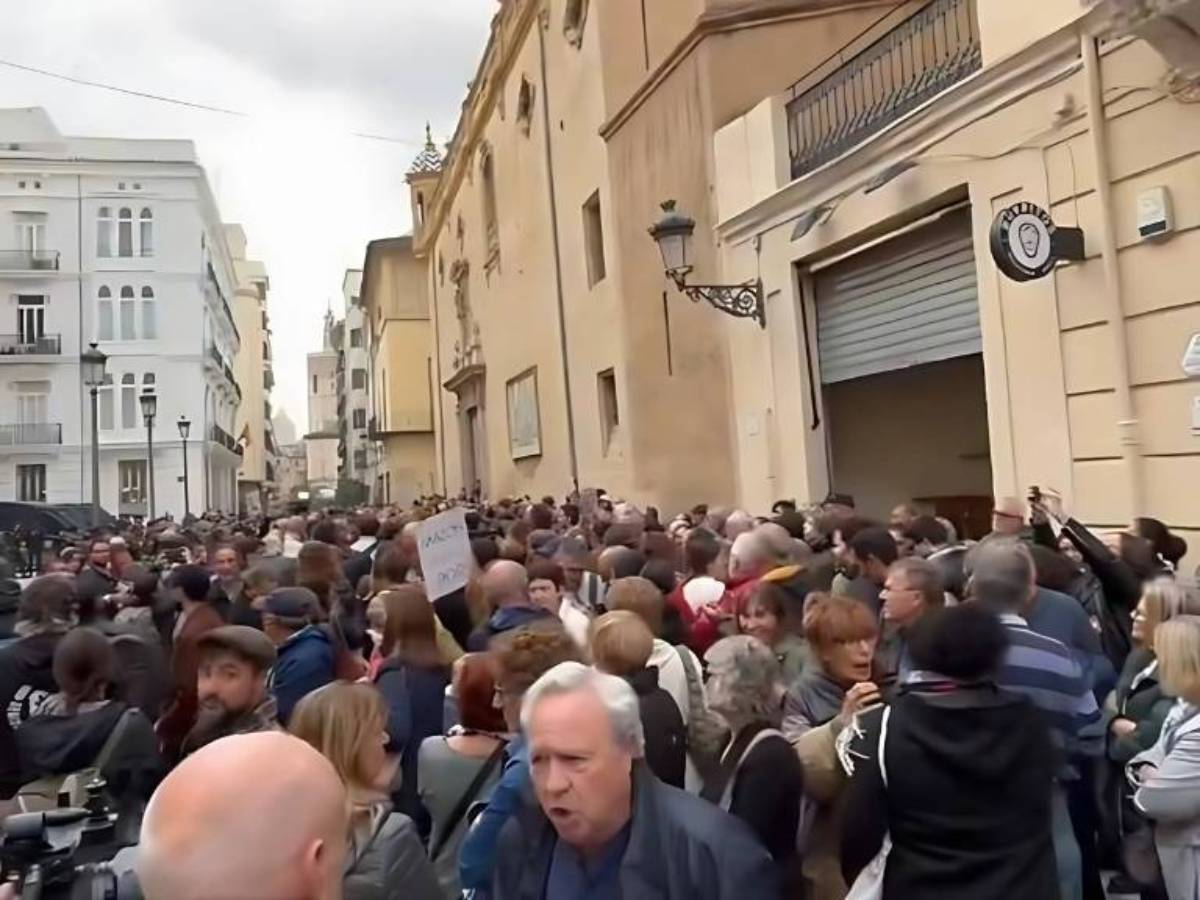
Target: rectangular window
x,y
149,319
129,406
360,459
31,319
314,384
593,238
356,339
104,236
131,478
107,416
125,236
31,483
358,379
128,319
360,418
147,236
610,416
104,325
33,402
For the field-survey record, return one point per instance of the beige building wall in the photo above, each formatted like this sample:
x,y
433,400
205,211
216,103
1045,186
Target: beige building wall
x,y
641,133
396,310
1017,131
252,367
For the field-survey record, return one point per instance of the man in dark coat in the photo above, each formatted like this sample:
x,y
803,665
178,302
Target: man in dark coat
x,y
96,579
506,587
604,826
27,664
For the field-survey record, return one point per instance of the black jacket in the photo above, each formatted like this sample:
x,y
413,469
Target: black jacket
x,y
680,848
26,680
662,725
766,796
91,584
967,801
1141,700
60,745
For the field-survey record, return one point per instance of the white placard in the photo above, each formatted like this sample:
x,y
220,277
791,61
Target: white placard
x,y
445,551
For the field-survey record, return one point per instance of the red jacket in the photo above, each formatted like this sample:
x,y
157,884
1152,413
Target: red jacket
x,y
702,628
737,594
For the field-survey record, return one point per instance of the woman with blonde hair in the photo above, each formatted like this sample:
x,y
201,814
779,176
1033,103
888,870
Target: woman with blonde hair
x,y
347,723
1167,776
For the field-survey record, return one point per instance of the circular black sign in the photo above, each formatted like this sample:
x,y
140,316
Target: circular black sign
x,y
1021,240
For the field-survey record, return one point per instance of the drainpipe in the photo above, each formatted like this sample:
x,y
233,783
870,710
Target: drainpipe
x,y
1127,422
540,25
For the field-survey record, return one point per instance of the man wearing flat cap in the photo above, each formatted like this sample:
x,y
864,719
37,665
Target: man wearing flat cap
x,y
306,651
231,685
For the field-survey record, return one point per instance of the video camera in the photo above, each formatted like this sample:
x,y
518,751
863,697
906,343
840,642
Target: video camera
x,y
65,853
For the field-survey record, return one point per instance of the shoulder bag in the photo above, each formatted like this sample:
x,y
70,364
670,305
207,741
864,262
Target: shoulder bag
x,y
468,796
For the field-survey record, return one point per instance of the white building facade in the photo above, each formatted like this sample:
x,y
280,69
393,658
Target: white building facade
x,y
358,451
116,242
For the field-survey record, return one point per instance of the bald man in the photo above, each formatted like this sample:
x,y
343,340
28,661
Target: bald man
x,y
250,817
506,588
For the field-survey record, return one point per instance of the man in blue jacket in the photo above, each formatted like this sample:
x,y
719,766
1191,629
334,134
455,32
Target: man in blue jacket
x,y
306,652
603,825
506,588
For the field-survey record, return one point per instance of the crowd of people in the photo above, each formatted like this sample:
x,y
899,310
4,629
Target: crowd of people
x,y
808,704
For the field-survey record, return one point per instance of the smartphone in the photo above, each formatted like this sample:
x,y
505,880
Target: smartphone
x,y
1035,494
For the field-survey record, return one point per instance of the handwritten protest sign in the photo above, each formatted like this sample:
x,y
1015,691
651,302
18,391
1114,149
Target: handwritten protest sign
x,y
445,551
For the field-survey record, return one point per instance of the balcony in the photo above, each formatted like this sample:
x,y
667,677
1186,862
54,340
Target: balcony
x,y
30,433
219,435
20,345
927,53
28,260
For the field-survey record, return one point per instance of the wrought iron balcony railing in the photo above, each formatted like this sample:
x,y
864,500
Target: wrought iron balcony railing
x,y
28,260
22,434
28,345
930,51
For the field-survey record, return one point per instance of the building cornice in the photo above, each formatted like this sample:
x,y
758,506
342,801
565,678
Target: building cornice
x,y
722,20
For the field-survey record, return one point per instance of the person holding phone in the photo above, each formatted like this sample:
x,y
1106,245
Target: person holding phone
x,y
835,687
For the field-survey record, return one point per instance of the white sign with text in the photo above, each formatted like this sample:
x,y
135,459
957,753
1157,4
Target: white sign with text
x,y
445,551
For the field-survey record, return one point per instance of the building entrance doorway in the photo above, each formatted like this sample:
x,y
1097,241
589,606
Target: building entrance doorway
x,y
901,363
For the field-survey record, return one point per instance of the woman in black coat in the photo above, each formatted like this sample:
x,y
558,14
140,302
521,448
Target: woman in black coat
x,y
969,772
760,779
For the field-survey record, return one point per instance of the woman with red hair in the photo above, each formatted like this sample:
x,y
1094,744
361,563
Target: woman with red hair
x,y
458,769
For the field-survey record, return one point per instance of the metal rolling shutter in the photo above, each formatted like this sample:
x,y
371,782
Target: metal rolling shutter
x,y
908,301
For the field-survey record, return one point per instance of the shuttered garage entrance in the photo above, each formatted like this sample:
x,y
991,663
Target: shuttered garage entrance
x,y
908,301
900,357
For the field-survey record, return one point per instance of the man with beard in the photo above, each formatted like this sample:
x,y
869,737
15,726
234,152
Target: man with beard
x,y
232,686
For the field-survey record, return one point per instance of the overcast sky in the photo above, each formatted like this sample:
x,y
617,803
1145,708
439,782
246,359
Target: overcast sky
x,y
311,73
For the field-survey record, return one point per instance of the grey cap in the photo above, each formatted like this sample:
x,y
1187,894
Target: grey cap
x,y
241,640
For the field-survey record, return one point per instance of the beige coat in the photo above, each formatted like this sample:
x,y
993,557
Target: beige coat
x,y
824,783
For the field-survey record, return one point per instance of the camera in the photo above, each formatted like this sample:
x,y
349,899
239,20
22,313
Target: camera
x,y
65,852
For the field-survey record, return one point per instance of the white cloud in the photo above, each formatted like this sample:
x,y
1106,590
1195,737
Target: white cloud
x,y
311,73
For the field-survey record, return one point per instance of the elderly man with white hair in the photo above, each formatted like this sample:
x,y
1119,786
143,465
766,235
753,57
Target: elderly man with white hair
x,y
603,825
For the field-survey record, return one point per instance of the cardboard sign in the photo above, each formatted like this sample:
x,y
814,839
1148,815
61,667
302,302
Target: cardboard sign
x,y
445,552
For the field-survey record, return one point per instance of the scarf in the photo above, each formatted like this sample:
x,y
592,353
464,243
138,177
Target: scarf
x,y
818,695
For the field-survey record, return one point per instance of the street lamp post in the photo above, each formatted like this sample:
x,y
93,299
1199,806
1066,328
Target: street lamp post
x,y
92,363
185,428
673,234
149,408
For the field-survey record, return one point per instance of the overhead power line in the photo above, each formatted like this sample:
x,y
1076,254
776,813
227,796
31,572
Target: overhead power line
x,y
175,101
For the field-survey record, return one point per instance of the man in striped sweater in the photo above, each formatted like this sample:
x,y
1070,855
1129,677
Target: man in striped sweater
x,y
1045,670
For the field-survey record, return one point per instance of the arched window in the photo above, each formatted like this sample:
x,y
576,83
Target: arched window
x,y
149,314
129,401
146,234
127,320
125,232
104,227
574,20
104,314
491,225
104,396
420,209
